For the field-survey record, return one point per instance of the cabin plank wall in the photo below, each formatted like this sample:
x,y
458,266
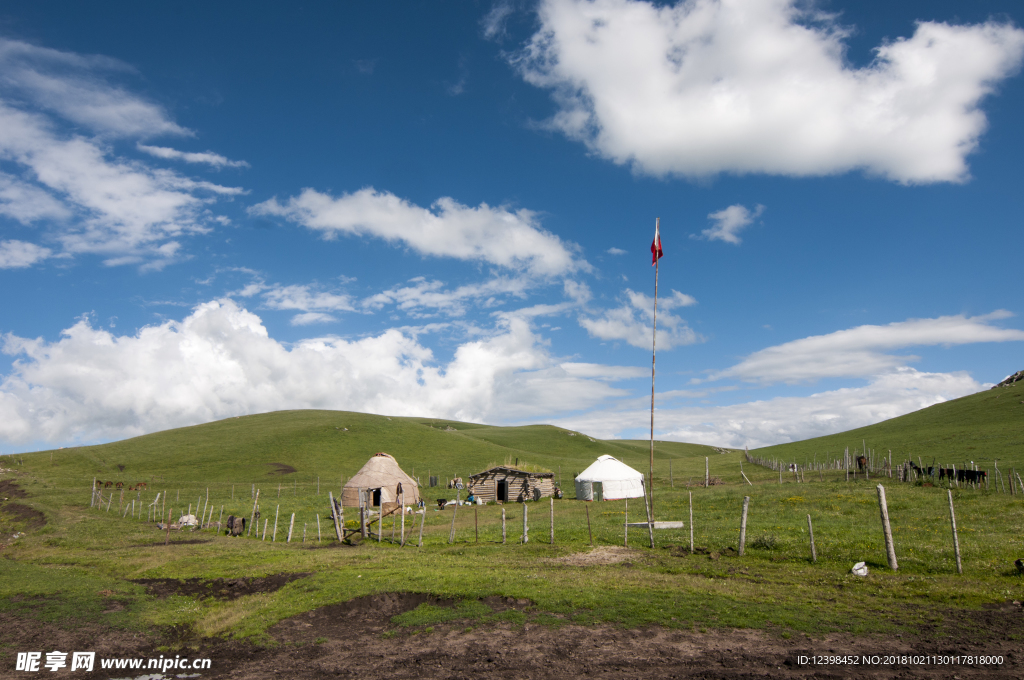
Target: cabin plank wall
x,y
520,484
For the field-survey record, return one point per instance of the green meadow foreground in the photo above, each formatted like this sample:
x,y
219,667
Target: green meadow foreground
x,y
107,573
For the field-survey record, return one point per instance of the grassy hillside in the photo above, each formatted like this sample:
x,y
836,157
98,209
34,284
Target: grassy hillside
x,y
331,446
70,568
979,427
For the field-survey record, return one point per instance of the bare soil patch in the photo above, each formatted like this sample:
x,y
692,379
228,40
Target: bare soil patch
x,y
600,555
8,489
219,588
31,518
280,469
356,639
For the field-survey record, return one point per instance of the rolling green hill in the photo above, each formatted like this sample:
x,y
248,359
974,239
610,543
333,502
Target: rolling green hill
x,y
331,445
979,427
65,558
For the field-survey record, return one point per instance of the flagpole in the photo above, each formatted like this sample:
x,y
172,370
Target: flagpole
x,y
654,342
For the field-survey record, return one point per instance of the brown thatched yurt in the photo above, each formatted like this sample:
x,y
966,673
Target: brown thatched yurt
x,y
381,476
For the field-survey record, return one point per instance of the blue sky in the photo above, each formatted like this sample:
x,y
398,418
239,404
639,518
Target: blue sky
x,y
446,209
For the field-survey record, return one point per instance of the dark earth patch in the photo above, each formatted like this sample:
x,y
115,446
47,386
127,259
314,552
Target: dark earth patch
x,y
280,469
31,518
219,588
187,541
8,489
357,639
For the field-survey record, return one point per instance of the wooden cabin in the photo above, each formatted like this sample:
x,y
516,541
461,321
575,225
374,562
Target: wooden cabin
x,y
509,485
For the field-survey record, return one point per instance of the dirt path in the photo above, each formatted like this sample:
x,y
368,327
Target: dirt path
x,y
358,640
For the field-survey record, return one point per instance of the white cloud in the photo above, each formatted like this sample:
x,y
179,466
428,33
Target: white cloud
x,y
433,296
702,87
583,370
632,321
860,352
785,419
512,240
220,361
494,21
27,203
76,88
306,299
93,202
616,251
729,221
309,299
19,254
208,157
308,318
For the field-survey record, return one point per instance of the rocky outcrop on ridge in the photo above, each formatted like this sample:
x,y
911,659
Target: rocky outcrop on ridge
x,y
1019,375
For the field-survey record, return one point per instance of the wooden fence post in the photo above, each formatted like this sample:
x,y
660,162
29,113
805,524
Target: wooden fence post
x,y
476,524
590,531
273,536
319,537
625,527
743,525
422,521
402,543
256,499
650,521
291,527
890,550
552,520
334,516
707,473
451,533
956,540
503,526
526,527
810,530
691,522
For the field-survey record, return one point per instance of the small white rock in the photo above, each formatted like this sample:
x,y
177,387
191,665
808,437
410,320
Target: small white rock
x,y
859,569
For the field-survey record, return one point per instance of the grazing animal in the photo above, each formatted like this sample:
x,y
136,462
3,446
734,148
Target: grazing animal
x,y
235,526
119,485
107,484
862,462
456,483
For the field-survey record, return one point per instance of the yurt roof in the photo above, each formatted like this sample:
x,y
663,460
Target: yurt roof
x,y
381,470
608,468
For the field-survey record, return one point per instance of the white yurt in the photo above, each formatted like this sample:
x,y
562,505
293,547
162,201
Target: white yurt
x,y
609,479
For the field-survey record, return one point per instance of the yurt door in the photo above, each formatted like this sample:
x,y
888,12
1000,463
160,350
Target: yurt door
x,y
503,491
598,490
376,497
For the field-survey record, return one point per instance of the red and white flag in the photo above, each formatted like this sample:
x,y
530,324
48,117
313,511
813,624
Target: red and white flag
x,y
656,252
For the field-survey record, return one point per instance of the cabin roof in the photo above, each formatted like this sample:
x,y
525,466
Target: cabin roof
x,y
512,471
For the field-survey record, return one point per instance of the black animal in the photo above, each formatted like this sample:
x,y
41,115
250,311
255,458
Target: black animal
x,y
862,462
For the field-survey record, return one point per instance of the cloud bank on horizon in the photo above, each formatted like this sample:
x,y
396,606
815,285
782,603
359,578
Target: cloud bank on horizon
x,y
519,294
220,361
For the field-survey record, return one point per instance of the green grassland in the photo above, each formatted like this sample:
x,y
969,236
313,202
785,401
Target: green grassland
x,y
72,569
